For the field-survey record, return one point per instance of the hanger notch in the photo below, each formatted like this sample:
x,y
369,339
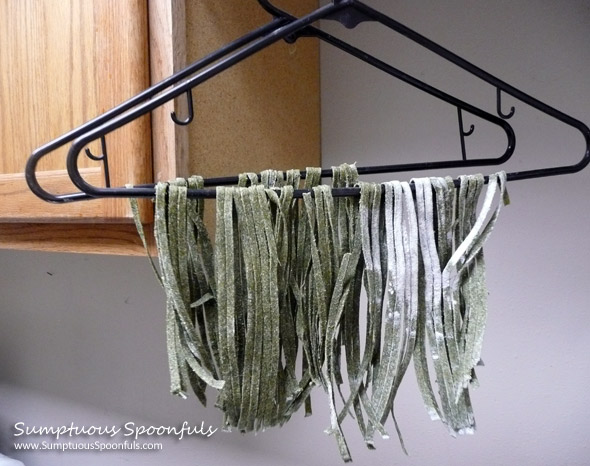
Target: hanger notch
x,y
463,133
101,158
501,114
191,111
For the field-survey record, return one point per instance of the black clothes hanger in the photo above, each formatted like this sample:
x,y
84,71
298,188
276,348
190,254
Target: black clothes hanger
x,y
350,13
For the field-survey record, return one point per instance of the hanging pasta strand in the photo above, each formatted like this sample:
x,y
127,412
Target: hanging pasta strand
x,y
430,297
283,210
402,305
370,211
342,217
190,357
465,276
201,280
302,287
454,295
359,370
262,242
229,398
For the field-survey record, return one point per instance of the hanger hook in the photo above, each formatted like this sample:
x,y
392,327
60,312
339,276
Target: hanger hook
x,y
501,114
463,133
101,158
191,113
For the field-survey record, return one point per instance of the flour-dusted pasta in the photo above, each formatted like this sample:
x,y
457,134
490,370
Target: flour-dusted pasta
x,y
272,309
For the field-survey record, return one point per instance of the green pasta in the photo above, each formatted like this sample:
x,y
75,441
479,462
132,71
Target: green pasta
x,y
272,308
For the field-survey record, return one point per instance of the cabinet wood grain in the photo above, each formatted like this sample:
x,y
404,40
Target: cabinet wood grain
x,y
64,62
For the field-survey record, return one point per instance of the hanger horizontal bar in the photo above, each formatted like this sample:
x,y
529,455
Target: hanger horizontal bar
x,y
149,191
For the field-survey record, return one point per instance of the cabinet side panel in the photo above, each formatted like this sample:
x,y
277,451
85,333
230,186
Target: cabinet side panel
x,y
167,24
262,113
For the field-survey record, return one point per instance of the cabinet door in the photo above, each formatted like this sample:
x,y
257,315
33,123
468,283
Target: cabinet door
x,y
64,62
71,60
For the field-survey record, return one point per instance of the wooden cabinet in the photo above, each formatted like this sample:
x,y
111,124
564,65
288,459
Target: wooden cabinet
x,y
66,61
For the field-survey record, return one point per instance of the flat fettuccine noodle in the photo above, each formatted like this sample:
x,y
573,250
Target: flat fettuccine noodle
x,y
273,308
